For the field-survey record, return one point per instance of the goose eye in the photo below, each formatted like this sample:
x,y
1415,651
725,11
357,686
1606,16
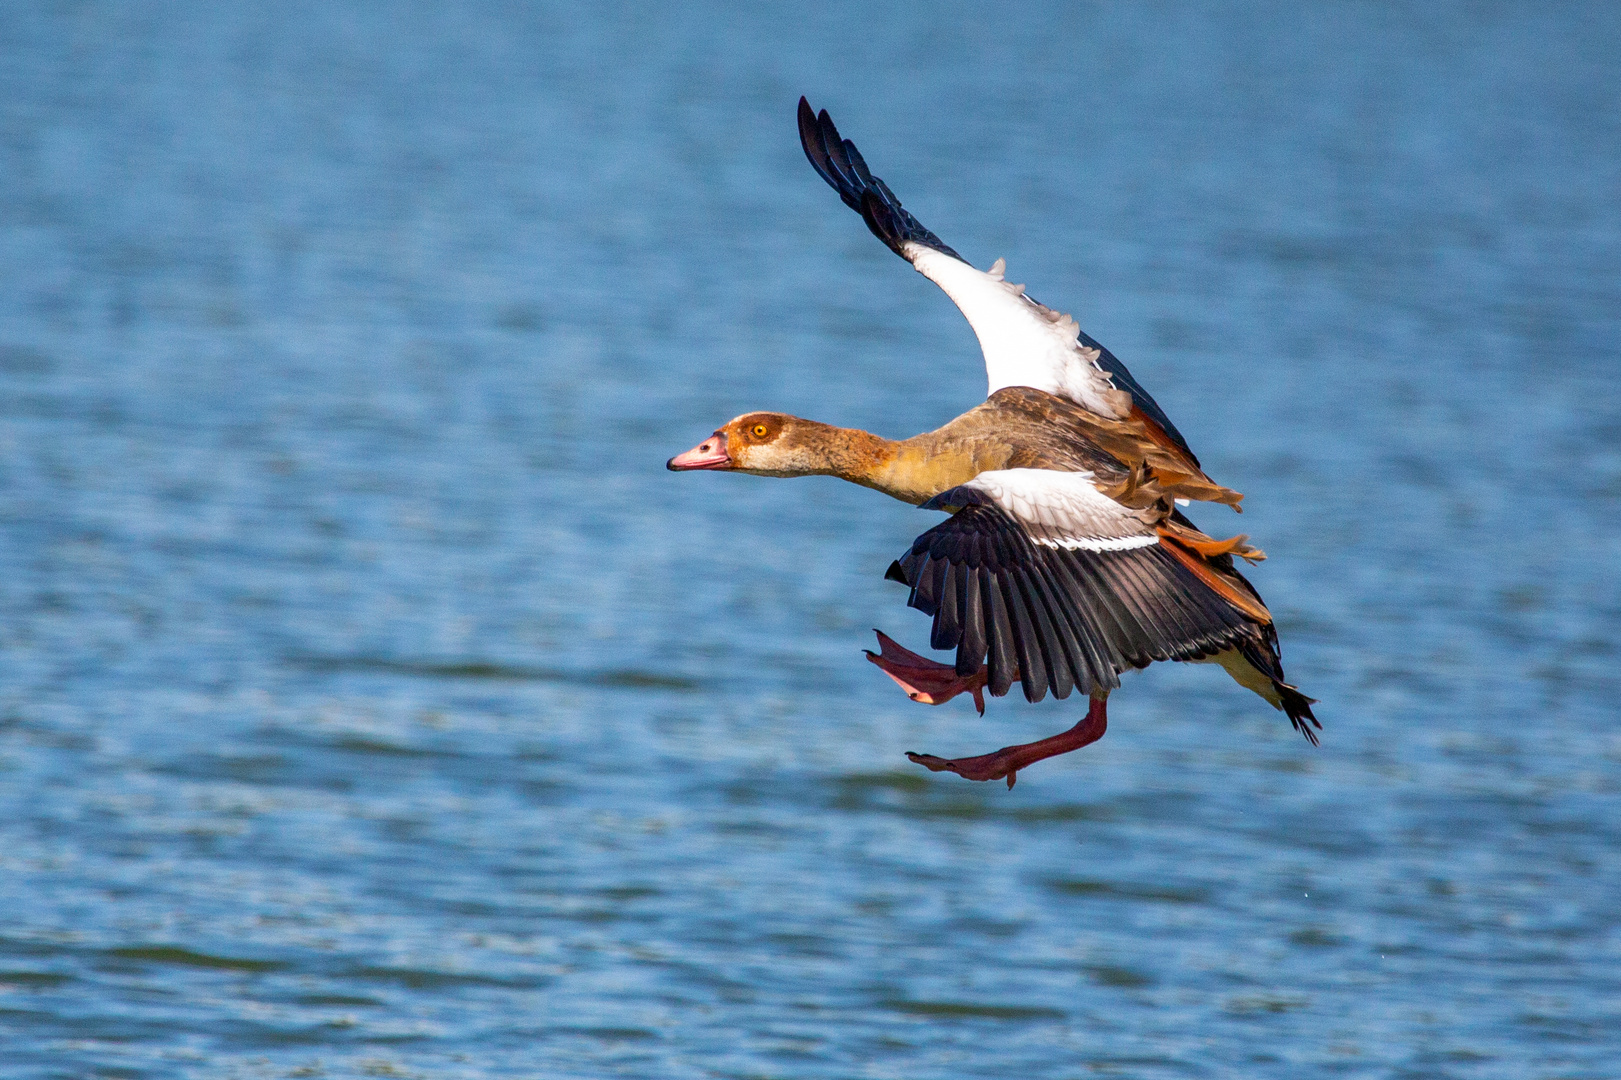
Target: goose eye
x,y
759,431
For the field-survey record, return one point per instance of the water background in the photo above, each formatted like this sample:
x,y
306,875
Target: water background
x,y
373,703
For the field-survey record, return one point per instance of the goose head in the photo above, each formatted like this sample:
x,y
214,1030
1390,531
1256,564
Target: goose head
x,y
769,444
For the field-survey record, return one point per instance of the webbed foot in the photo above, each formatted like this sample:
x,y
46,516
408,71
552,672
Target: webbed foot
x,y
1007,761
925,680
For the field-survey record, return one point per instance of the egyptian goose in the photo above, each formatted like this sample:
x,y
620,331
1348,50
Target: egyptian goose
x,y
1066,559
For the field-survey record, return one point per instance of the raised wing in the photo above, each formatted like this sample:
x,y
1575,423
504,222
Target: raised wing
x,y
1025,343
1048,581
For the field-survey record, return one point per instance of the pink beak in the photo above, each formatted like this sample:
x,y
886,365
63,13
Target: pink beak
x,y
709,454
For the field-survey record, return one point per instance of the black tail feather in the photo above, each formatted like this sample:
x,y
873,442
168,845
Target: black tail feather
x,y
1298,707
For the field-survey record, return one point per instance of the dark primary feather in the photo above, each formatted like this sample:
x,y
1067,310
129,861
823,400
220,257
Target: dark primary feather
x,y
1059,619
837,161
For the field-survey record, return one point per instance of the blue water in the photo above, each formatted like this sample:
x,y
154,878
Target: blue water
x,y
374,703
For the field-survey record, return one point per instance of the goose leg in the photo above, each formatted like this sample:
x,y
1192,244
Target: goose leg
x,y
1010,759
923,679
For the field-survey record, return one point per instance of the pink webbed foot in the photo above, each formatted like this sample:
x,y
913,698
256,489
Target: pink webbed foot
x,y
1007,761
923,679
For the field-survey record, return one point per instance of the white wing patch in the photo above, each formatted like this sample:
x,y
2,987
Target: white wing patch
x,y
1063,509
1095,543
1025,343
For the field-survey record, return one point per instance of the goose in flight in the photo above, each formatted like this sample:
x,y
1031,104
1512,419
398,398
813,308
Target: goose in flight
x,y
1066,559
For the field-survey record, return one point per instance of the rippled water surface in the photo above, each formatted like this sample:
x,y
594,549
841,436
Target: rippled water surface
x,y
372,702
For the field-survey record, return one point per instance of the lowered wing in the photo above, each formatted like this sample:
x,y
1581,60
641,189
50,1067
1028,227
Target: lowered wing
x,y
1047,580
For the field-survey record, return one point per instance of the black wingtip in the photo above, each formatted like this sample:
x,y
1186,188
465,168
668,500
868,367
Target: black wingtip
x,y
838,162
880,220
807,124
895,573
808,135
810,139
